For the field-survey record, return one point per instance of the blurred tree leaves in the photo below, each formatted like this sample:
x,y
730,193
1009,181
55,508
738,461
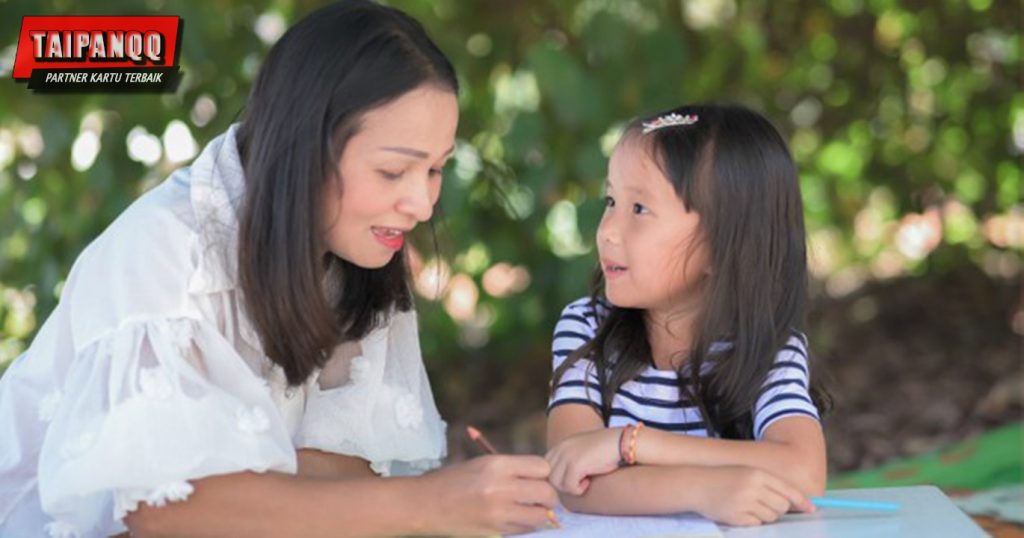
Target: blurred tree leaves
x,y
891,107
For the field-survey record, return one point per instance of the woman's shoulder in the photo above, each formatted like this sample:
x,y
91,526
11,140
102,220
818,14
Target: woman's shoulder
x,y
152,236
140,265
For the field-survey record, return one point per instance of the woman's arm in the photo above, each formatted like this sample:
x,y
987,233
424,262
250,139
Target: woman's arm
x,y
276,504
319,464
492,494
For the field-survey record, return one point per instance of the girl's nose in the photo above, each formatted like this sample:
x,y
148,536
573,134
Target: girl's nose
x,y
607,232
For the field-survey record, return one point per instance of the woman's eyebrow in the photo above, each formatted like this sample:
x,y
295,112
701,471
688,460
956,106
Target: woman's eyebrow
x,y
419,154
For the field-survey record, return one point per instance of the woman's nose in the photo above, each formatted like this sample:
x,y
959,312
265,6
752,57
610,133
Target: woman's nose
x,y
417,202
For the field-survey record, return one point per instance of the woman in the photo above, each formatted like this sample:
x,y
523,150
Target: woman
x,y
237,353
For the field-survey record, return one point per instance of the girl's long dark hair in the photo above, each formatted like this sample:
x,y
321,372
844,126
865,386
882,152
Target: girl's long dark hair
x,y
733,168
316,83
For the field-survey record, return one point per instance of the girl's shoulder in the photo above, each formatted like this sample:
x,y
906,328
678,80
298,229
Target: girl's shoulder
x,y
585,313
795,346
791,360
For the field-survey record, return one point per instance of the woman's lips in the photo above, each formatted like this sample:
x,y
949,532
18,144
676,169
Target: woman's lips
x,y
392,238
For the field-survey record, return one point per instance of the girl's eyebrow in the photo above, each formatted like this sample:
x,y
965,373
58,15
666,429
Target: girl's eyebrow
x,y
419,154
631,188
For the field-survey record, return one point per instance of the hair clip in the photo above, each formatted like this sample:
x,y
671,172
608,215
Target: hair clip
x,y
669,120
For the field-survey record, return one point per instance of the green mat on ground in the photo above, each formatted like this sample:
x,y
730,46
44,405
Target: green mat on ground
x,y
990,460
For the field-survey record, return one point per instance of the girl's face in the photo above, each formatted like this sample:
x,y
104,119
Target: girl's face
x,y
649,244
389,176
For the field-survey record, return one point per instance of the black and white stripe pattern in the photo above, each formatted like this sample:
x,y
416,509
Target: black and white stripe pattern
x,y
653,397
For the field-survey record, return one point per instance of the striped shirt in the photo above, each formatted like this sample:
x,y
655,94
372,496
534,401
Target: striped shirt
x,y
653,397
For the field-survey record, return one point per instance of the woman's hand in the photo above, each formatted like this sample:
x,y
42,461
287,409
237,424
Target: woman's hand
x,y
745,496
581,456
491,494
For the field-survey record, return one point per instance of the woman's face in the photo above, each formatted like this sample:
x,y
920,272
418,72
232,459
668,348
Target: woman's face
x,y
389,176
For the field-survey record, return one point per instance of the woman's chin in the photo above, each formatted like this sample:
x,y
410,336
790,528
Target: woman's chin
x,y
367,260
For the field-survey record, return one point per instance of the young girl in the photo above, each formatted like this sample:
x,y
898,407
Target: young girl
x,y
682,384
237,354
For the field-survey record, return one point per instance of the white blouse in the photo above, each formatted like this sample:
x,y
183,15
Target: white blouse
x,y
149,374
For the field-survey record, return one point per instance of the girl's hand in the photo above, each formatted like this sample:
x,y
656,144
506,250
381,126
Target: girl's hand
x,y
744,496
490,495
581,456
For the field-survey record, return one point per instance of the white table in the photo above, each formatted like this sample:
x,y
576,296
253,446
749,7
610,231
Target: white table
x,y
926,511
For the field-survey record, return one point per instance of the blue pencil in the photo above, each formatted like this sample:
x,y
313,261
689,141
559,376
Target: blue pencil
x,y
828,502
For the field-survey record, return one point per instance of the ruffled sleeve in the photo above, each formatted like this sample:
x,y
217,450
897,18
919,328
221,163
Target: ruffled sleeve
x,y
144,378
384,412
168,401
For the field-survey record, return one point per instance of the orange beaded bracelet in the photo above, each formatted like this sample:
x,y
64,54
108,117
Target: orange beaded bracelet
x,y
623,436
631,457
630,431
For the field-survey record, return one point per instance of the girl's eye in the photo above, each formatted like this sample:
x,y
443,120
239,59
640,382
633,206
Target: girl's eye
x,y
639,209
609,201
435,172
391,175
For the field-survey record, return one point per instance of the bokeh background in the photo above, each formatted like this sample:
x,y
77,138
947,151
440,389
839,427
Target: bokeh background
x,y
906,119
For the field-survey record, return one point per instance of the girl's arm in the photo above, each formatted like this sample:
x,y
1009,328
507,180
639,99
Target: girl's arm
x,y
640,490
492,494
793,447
736,495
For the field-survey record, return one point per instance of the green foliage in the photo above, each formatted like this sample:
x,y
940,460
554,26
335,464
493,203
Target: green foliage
x,y
887,109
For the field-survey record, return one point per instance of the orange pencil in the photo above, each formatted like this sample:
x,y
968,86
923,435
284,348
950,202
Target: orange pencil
x,y
478,437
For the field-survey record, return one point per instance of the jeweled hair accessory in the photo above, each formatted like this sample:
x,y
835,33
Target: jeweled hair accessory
x,y
669,120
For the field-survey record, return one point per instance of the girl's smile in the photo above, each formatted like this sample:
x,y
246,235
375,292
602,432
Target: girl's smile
x,y
612,269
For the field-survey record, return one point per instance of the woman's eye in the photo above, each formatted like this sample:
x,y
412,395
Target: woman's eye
x,y
391,175
639,209
609,201
435,172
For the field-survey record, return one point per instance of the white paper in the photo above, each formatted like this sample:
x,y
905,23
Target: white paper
x,y
590,526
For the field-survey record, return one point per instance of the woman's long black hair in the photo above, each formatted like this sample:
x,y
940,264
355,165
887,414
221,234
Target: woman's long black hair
x,y
317,81
733,168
